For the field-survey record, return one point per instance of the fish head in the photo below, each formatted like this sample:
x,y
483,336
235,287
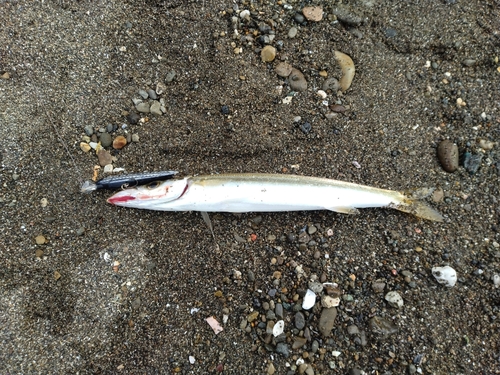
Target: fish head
x,y
150,196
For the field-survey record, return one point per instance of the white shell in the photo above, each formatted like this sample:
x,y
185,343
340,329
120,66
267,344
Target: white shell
x,y
445,275
309,300
278,328
394,299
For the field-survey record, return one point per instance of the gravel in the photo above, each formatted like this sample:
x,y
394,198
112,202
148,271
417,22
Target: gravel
x,y
111,290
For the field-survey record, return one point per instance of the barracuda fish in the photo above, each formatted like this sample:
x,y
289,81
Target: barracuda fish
x,y
266,193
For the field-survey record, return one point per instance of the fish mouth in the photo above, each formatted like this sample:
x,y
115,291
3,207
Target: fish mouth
x,y
117,199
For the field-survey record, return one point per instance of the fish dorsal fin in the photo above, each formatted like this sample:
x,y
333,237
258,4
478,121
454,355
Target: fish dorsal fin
x,y
343,210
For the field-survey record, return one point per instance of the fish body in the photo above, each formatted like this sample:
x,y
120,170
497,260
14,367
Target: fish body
x,y
265,193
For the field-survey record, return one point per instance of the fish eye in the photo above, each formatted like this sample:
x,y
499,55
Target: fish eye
x,y
153,184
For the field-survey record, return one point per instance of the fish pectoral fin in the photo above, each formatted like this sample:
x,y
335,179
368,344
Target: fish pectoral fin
x,y
343,210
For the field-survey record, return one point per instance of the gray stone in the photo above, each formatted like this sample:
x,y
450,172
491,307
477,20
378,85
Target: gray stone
x,y
300,320
89,130
327,321
155,108
279,310
283,349
170,76
353,330
143,94
297,81
105,139
152,94
142,107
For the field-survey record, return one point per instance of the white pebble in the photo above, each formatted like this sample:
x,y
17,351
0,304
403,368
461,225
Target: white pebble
x,y
309,300
44,202
394,299
108,168
336,353
496,280
93,145
278,328
321,94
445,275
192,360
245,14
328,301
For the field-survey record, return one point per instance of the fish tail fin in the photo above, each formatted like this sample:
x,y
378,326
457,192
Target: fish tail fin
x,y
413,205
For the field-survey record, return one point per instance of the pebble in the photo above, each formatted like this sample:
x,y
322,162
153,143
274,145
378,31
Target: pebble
x,y
39,253
105,139
309,300
152,94
472,162
108,168
306,128
270,369
378,286
160,88
313,13
170,76
85,147
268,54
135,138
331,84
298,342
315,286
119,142
297,81
252,316
133,118
143,94
89,130
327,321
394,299
104,157
300,320
279,310
344,15
292,33
142,107
80,231
447,153
438,195
44,202
283,349
469,62
382,326
486,144
156,108
40,240
496,280
446,275
328,301
283,69
353,329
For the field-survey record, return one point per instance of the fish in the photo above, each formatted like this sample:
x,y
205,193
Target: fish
x,y
126,180
260,192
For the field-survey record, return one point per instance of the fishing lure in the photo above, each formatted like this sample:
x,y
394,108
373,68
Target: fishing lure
x,y
126,181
